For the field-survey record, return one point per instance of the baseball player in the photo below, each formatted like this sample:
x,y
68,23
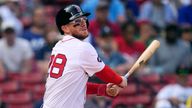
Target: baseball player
x,y
73,61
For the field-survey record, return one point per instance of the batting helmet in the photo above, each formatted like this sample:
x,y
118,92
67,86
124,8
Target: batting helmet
x,y
68,14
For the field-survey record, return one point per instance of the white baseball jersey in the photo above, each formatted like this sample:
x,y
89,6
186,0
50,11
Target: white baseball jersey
x,y
73,61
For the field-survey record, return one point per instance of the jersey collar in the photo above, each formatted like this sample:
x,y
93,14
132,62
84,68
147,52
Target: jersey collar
x,y
67,37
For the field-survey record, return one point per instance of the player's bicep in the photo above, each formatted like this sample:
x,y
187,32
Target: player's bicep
x,y
90,61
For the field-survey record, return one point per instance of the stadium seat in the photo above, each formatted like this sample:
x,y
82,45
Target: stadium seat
x,y
189,82
26,105
2,77
169,78
150,78
142,99
157,87
9,86
139,99
17,98
118,101
36,89
145,89
131,89
38,96
32,78
27,77
14,76
132,100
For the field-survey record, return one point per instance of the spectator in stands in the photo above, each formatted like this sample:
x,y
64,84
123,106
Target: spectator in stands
x,y
107,51
141,2
101,20
185,15
44,53
187,38
116,9
127,45
174,5
187,33
35,35
158,13
146,32
174,95
9,11
15,53
132,9
185,2
172,54
89,6
189,102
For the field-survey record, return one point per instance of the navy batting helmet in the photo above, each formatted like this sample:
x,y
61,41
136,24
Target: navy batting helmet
x,y
68,14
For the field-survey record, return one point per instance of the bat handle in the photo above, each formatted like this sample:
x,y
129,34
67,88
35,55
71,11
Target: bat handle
x,y
130,72
126,76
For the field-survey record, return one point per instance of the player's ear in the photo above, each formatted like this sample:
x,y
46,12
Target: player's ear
x,y
65,29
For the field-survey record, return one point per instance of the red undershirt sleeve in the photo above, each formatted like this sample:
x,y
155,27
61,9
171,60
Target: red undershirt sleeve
x,y
108,75
99,89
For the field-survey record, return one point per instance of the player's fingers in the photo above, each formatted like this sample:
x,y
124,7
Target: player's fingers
x,y
124,82
109,85
114,90
117,87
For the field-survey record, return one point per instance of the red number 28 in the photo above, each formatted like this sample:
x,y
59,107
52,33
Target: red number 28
x,y
57,64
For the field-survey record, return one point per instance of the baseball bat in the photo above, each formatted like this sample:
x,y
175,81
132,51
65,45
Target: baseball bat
x,y
155,44
142,59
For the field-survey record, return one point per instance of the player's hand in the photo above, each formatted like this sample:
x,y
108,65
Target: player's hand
x,y
123,83
113,90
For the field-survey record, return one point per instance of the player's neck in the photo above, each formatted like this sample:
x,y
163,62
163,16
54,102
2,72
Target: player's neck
x,y
67,34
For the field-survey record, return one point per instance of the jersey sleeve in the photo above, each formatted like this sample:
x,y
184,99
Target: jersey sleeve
x,y
94,88
89,59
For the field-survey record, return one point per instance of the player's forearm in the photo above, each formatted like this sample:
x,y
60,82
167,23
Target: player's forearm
x,y
98,89
109,76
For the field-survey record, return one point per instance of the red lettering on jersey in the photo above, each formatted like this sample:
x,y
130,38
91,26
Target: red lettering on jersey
x,y
51,60
58,65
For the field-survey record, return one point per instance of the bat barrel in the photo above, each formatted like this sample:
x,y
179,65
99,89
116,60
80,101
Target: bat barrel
x,y
144,56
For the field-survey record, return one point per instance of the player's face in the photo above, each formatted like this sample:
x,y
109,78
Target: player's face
x,y
78,28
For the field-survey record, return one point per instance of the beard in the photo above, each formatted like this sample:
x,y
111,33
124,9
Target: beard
x,y
79,36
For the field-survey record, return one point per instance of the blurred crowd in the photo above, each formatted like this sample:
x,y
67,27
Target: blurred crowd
x,y
120,30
